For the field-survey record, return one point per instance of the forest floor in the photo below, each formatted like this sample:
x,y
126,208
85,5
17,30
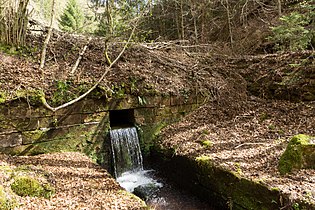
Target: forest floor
x,y
78,182
248,133
249,144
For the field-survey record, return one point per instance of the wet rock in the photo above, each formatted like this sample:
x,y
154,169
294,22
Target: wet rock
x,y
146,191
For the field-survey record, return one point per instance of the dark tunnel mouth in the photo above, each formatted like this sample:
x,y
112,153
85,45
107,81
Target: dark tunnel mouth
x,y
121,118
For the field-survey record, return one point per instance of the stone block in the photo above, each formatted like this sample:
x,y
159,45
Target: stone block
x,y
163,111
10,140
95,117
157,101
128,102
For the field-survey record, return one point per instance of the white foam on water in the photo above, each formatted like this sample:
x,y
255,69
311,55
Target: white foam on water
x,y
131,179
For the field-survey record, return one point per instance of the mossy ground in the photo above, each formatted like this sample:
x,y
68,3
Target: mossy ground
x,y
206,143
78,183
28,186
5,202
23,180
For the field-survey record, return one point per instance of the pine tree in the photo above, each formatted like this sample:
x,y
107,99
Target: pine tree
x,y
72,18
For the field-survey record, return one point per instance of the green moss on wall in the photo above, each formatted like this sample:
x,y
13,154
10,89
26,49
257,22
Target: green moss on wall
x,y
32,96
67,143
28,186
34,136
97,145
83,127
238,192
219,186
148,135
293,155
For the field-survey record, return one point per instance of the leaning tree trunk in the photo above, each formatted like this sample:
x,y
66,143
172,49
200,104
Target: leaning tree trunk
x,y
43,55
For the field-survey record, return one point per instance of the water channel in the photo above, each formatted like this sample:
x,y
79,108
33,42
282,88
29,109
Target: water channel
x,y
148,184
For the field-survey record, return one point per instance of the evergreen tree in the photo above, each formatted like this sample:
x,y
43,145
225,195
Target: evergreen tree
x,y
72,18
296,31
118,16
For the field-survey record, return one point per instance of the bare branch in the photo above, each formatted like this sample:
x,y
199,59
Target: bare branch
x,y
54,109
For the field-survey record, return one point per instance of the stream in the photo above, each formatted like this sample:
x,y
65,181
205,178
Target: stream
x,y
158,192
149,185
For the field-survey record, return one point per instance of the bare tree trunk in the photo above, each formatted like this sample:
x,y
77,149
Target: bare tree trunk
x,y
182,20
279,8
109,7
227,8
178,27
194,12
13,21
43,55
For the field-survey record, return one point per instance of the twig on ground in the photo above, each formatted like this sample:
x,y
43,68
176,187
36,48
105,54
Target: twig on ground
x,y
245,144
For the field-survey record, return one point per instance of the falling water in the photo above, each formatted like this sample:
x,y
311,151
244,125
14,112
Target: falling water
x,y
128,169
125,150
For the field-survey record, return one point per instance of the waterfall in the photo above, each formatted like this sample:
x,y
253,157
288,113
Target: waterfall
x,y
125,150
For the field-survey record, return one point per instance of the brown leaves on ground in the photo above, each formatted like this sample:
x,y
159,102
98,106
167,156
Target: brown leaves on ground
x,y
170,69
250,142
79,184
247,136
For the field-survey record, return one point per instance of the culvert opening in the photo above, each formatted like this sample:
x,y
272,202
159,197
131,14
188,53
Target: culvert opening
x,y
140,179
122,118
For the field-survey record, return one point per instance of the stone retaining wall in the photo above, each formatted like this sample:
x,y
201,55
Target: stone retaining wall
x,y
84,126
217,186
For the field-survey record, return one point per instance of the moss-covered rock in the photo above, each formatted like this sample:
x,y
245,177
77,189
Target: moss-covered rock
x,y
300,153
28,186
133,197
